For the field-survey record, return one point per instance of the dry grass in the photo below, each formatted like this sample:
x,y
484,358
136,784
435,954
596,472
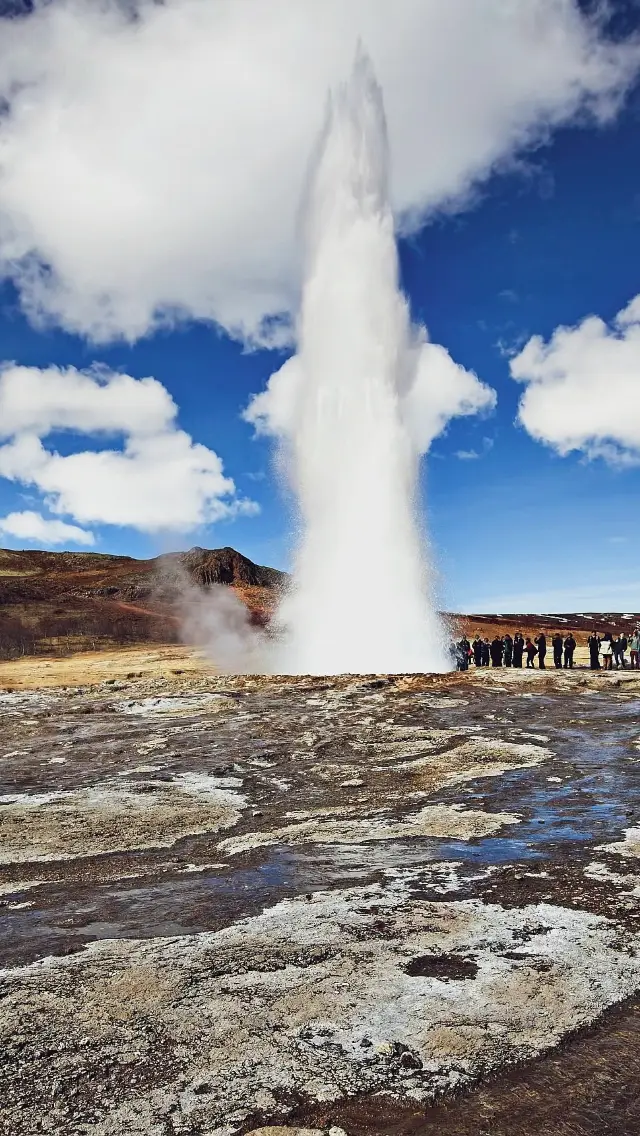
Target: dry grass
x,y
90,668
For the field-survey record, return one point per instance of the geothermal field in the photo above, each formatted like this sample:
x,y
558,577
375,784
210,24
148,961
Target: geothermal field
x,y
347,891
403,904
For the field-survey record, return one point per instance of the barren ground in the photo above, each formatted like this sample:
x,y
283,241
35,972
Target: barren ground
x,y
385,905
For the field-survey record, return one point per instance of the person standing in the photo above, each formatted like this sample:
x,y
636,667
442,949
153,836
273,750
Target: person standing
x,y
634,647
518,649
557,643
497,651
508,650
593,643
541,644
569,648
486,653
624,643
607,652
531,651
477,651
615,647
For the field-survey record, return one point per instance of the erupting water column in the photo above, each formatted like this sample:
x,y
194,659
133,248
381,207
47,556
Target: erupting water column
x,y
361,599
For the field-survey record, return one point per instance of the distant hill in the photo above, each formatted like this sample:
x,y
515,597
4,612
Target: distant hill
x,y
59,602
52,602
580,623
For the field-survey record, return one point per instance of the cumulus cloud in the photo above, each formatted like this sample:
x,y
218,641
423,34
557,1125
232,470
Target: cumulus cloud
x,y
583,387
160,479
442,390
438,390
152,155
35,529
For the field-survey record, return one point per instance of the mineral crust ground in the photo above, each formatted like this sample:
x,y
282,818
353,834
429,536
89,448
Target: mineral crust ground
x,y
378,905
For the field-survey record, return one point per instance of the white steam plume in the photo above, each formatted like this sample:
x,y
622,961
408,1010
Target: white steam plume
x,y
361,595
219,624
212,618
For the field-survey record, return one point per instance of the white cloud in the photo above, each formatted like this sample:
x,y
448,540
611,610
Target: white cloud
x,y
159,480
474,455
583,387
34,528
40,401
154,165
440,390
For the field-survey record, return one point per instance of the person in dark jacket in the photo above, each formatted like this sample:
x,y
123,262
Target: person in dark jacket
x,y
593,643
615,645
508,650
557,643
518,649
531,651
497,651
569,648
624,643
464,654
486,653
477,651
541,644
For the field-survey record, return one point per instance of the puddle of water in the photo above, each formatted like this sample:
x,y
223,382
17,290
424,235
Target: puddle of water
x,y
187,904
596,799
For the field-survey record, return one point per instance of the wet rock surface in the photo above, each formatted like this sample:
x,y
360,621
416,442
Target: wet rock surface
x,y
231,904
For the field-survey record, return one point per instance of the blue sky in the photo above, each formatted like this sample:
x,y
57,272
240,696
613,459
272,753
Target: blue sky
x,y
514,523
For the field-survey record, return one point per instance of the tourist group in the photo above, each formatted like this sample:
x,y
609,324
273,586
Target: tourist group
x,y
508,651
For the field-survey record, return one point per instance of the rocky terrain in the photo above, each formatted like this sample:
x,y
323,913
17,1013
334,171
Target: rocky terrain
x,y
384,905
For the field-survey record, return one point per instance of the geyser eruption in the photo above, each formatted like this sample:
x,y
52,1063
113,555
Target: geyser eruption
x,y
361,596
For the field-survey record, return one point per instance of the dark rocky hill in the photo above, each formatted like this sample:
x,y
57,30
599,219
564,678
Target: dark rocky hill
x,y
62,601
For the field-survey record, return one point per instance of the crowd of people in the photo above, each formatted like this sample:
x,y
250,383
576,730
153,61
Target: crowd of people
x,y
511,651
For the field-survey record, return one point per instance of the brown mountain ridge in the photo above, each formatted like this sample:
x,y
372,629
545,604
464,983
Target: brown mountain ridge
x,y
55,603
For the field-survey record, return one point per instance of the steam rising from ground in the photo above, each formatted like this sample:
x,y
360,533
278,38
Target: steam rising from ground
x,y
213,619
218,622
347,408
